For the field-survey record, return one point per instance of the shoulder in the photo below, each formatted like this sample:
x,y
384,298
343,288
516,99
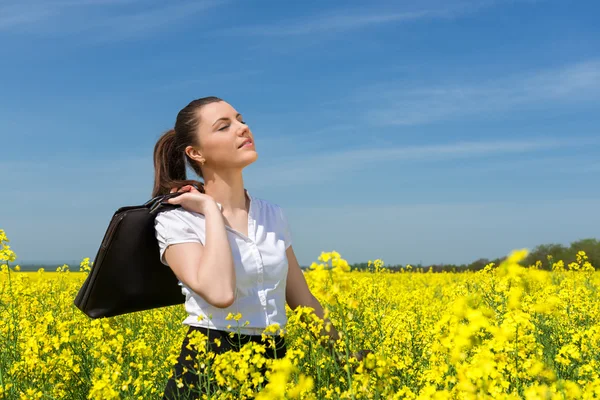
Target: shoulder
x,y
266,206
269,211
177,216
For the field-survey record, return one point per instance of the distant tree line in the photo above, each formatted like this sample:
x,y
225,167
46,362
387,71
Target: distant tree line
x,y
557,252
541,253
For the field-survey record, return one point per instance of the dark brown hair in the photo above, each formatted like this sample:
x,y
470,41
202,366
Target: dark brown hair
x,y
169,151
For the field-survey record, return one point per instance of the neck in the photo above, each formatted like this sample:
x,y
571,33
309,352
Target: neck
x,y
227,190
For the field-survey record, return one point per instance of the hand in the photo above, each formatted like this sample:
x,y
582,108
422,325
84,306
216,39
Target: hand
x,y
192,199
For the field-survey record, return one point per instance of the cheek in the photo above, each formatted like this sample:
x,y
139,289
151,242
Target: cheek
x,y
219,148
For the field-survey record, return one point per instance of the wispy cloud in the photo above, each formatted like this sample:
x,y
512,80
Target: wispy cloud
x,y
133,175
333,23
210,79
332,165
570,164
100,19
402,104
343,20
401,232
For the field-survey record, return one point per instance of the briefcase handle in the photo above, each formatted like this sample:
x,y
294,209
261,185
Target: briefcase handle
x,y
155,202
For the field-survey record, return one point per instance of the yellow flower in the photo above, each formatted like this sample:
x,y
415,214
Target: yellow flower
x,y
510,331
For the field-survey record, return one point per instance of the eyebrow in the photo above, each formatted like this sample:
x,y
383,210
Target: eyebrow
x,y
225,118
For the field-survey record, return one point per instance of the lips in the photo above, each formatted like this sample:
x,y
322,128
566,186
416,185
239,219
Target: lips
x,y
245,142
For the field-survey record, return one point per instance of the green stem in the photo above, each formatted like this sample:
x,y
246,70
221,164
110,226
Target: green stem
x,y
12,313
2,382
517,356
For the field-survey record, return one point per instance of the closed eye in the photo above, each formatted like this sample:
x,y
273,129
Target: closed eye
x,y
227,126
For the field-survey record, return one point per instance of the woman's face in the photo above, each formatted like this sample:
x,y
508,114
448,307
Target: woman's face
x,y
221,132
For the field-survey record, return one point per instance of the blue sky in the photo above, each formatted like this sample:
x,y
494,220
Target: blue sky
x,y
411,131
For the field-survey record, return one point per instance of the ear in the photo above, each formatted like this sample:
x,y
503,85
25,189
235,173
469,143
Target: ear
x,y
194,154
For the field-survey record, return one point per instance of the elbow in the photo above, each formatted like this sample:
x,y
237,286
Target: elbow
x,y
223,300
215,296
217,293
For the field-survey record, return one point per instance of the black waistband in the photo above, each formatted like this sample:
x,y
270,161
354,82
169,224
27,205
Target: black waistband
x,y
211,332
235,341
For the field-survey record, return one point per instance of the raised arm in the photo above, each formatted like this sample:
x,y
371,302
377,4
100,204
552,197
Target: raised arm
x,y
207,269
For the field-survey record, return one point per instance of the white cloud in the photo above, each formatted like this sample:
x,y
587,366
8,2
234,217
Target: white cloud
x,y
343,20
333,23
93,181
209,79
89,191
437,232
99,19
322,167
126,18
406,105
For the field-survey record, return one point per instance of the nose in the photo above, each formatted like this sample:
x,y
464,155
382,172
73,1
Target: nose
x,y
243,129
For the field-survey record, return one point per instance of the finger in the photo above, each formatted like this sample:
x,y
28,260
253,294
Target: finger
x,y
175,200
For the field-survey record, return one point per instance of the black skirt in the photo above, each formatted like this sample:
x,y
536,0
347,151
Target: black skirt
x,y
228,343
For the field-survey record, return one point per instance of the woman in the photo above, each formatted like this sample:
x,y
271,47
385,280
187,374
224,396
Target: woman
x,y
231,252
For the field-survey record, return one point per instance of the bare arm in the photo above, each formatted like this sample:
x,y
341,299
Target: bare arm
x,y
298,294
207,269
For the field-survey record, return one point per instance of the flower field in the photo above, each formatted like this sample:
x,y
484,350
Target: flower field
x,y
506,332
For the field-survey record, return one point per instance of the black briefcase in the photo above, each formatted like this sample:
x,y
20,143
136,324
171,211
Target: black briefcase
x,y
127,275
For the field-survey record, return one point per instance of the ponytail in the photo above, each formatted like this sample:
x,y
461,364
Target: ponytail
x,y
169,151
169,166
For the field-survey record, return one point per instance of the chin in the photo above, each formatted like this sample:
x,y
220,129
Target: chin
x,y
250,159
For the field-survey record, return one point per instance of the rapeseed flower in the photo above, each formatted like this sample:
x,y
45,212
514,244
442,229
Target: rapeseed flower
x,y
503,332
